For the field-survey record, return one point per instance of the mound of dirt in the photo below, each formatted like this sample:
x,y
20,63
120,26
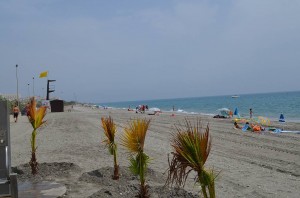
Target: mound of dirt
x,y
155,192
69,174
128,184
47,171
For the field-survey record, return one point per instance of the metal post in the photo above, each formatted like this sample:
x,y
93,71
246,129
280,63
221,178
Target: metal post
x,y
17,85
47,97
32,86
28,91
8,180
5,152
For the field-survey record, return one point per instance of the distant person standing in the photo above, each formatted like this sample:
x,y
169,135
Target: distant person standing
x,y
16,111
251,113
27,109
230,114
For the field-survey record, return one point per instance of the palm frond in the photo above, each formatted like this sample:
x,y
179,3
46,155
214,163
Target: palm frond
x,y
134,135
207,179
178,171
191,149
191,146
110,130
112,147
36,116
139,163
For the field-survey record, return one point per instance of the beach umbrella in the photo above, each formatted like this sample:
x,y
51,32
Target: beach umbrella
x,y
262,120
281,118
236,113
224,111
155,109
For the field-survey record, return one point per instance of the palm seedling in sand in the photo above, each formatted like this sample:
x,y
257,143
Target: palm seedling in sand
x,y
134,139
191,148
35,117
110,130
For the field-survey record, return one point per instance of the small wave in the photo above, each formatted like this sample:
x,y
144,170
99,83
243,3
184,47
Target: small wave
x,y
207,114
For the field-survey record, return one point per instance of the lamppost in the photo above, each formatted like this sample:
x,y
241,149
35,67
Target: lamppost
x,y
17,85
28,91
33,86
43,93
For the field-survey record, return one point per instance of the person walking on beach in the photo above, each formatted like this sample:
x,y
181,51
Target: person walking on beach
x,y
251,113
16,111
27,109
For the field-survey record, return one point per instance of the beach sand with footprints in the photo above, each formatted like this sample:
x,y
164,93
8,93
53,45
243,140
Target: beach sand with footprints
x,y
70,152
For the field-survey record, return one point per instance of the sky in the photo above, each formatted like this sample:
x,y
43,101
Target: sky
x,y
127,50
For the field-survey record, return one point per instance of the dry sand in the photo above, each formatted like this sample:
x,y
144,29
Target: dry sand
x,y
70,152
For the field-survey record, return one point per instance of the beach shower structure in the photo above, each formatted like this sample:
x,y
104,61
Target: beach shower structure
x,y
8,180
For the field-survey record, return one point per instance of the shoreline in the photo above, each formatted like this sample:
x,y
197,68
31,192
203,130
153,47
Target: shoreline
x,y
208,115
269,105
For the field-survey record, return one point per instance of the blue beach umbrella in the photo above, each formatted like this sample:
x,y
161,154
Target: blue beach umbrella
x,y
281,118
236,113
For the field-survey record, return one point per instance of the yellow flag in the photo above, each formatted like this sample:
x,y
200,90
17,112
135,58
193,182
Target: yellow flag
x,y
44,74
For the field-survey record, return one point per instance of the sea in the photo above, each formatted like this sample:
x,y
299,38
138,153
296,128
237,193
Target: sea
x,y
269,105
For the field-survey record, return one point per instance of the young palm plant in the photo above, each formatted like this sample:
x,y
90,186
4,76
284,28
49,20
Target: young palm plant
x,y
35,117
191,149
134,140
110,130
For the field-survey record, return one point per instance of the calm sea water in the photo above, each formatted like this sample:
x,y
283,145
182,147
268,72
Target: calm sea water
x,y
269,105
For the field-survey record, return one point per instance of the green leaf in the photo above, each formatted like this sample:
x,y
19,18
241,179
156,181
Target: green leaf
x,y
134,167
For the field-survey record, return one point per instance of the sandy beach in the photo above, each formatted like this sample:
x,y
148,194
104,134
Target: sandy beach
x,y
70,152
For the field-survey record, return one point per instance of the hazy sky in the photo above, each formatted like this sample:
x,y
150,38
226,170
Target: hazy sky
x,y
109,50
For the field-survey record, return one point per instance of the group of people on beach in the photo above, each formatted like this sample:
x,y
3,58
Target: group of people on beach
x,y
141,108
250,127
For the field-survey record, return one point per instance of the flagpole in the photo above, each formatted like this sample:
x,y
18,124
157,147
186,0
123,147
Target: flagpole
x,y
33,86
17,85
47,90
28,91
